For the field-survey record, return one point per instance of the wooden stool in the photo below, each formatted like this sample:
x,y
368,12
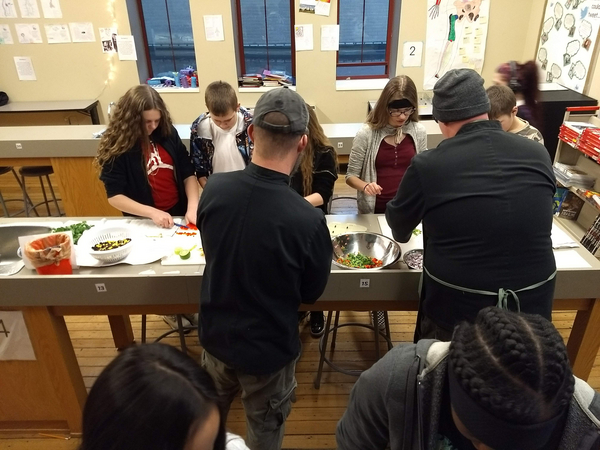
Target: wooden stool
x,y
3,170
39,172
328,329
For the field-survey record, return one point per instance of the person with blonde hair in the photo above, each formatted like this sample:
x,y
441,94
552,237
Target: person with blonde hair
x,y
384,147
145,168
315,180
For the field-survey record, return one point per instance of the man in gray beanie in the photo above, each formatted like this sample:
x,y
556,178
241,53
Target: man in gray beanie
x,y
485,199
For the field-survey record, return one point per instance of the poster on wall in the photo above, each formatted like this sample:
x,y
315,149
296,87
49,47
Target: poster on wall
x,y
82,31
108,38
567,41
456,37
57,34
29,33
29,9
15,343
7,9
5,35
51,9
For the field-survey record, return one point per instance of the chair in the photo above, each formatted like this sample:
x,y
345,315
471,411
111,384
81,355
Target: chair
x,y
3,201
38,172
181,330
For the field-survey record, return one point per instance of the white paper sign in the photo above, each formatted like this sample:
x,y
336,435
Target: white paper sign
x,y
51,9
7,9
24,68
570,259
82,31
57,34
5,35
126,46
28,33
330,38
323,7
29,9
413,52
304,37
108,37
14,338
213,28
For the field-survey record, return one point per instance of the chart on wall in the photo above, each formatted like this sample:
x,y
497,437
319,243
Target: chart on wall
x,y
567,41
456,37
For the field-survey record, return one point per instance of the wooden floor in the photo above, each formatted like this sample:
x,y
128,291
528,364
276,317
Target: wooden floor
x,y
315,414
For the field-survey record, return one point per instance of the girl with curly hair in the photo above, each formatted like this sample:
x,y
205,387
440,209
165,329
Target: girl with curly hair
x,y
502,383
146,169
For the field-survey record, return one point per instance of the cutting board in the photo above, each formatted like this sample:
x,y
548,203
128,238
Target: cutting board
x,y
185,242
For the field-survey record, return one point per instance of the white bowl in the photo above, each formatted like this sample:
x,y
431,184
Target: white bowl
x,y
95,236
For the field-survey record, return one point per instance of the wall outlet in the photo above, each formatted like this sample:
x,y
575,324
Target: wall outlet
x,y
19,146
365,282
340,145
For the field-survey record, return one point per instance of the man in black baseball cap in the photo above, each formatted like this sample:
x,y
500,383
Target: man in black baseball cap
x,y
267,251
485,199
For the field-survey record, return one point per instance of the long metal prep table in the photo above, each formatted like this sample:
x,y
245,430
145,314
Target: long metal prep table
x,y
54,380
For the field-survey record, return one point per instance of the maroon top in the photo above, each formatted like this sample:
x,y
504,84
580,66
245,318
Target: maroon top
x,y
391,164
161,176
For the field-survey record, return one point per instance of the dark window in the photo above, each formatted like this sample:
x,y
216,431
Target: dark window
x,y
167,27
365,38
265,29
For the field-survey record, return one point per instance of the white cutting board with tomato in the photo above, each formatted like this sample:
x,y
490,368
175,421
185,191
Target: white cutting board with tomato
x,y
182,241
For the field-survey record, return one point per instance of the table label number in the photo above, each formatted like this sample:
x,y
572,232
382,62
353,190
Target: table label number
x,y
365,282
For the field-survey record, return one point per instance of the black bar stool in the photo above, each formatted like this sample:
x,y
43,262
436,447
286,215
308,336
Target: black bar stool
x,y
180,330
38,172
3,201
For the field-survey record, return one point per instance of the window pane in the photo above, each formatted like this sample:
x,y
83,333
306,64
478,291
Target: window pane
x,y
171,47
360,71
376,30
351,30
266,34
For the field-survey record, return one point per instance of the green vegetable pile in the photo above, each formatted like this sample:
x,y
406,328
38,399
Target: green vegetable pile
x,y
77,229
360,261
416,232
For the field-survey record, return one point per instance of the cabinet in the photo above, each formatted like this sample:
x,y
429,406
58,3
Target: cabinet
x,y
568,153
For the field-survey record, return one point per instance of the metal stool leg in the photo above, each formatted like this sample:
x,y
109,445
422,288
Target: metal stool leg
x,y
26,198
335,328
388,333
45,196
143,328
53,196
181,334
4,208
323,350
376,334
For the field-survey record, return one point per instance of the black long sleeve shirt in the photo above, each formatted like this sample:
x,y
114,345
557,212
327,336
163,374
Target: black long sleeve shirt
x,y
485,199
267,250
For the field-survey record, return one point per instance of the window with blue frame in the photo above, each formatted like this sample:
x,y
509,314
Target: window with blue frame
x,y
365,38
167,27
265,30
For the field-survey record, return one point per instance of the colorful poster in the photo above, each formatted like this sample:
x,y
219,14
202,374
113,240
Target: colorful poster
x,y
566,45
456,37
308,6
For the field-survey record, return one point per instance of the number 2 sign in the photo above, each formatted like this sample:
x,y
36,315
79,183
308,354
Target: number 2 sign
x,y
412,54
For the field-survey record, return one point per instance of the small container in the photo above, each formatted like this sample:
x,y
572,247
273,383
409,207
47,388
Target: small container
x,y
194,82
414,259
177,81
62,268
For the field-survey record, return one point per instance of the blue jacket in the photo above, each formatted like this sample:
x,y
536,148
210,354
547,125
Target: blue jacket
x,y
202,148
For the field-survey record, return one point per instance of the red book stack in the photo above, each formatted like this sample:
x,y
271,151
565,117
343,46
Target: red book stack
x,y
589,143
570,132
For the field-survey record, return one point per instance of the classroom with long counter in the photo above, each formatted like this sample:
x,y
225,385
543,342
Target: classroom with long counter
x,y
300,225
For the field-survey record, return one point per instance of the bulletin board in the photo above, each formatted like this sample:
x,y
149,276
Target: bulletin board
x,y
456,37
567,41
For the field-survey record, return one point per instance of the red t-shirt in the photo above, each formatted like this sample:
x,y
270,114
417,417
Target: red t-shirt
x,y
391,164
159,167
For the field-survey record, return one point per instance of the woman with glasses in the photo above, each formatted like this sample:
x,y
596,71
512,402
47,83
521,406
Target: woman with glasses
x,y
383,149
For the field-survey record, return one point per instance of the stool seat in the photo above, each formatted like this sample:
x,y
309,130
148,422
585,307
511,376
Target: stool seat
x,y
36,171
5,169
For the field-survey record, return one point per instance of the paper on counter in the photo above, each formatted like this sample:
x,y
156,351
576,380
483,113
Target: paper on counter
x,y
330,38
29,33
82,32
25,68
560,239
304,37
213,28
57,34
5,35
570,259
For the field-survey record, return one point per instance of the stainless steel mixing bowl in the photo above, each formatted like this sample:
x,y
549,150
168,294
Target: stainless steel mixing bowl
x,y
372,245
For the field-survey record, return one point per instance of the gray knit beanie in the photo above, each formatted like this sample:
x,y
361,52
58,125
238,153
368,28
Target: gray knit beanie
x,y
459,95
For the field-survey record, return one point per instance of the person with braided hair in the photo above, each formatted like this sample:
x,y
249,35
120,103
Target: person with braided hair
x,y
503,382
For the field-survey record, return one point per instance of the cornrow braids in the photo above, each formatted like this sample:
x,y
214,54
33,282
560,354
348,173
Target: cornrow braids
x,y
513,365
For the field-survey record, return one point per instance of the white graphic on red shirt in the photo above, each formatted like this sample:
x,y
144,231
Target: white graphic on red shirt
x,y
155,162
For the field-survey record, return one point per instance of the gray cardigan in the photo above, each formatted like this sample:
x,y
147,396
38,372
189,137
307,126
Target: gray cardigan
x,y
364,152
383,408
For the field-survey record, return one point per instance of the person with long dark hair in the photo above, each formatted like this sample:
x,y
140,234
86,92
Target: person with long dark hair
x,y
523,80
502,383
154,397
315,180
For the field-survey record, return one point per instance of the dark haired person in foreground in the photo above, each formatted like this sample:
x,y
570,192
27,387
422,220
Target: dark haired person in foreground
x,y
153,397
502,383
